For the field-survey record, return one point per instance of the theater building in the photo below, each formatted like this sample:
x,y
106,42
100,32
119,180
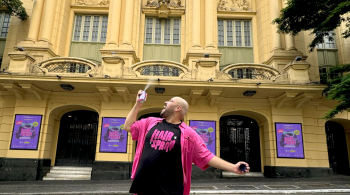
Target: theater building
x,y
71,71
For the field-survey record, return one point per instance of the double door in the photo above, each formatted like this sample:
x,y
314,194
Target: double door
x,y
77,139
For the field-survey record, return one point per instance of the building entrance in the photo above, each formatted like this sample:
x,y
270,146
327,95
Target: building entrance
x,y
239,141
77,139
157,114
337,148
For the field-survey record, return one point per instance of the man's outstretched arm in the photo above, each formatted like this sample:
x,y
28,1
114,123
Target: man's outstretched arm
x,y
224,165
131,118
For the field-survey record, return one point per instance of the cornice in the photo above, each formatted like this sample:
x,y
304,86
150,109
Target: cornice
x,y
164,82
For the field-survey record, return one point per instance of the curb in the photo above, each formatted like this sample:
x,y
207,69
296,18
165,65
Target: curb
x,y
197,192
270,191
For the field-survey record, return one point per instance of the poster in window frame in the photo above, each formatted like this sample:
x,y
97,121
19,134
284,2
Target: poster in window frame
x,y
26,132
289,140
114,139
207,131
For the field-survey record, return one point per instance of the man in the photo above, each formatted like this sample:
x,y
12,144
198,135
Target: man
x,y
166,149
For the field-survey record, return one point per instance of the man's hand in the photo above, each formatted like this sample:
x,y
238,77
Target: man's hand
x,y
219,163
131,118
238,171
138,98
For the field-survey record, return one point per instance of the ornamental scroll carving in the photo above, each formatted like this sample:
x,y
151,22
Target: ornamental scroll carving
x,y
104,3
168,3
234,5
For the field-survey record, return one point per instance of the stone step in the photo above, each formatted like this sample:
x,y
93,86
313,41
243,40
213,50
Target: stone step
x,y
250,174
61,178
69,172
68,175
72,168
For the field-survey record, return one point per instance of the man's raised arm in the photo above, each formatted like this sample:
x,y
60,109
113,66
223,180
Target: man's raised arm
x,y
219,163
131,118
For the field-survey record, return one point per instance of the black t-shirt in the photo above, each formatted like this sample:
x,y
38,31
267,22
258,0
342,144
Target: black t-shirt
x,y
160,167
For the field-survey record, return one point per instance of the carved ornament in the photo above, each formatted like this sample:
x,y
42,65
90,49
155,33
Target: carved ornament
x,y
163,8
168,3
103,3
234,5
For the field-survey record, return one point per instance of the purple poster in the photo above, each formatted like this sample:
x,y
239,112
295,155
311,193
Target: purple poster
x,y
289,140
113,137
25,134
206,130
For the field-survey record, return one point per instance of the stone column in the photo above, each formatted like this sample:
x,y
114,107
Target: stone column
x,y
48,21
209,24
114,18
274,13
290,42
35,21
196,33
128,22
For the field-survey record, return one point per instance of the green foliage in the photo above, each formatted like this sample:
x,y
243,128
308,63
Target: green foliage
x,y
338,89
320,16
15,7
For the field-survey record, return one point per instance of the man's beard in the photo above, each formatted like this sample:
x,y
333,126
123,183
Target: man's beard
x,y
166,113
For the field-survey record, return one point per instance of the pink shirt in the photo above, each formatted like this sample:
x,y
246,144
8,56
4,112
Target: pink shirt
x,y
193,149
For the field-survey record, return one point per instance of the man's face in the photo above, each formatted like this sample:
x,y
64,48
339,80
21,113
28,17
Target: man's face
x,y
169,108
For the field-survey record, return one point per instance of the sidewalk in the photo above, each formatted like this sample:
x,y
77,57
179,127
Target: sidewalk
x,y
334,184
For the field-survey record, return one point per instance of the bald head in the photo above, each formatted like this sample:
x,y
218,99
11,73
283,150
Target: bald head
x,y
183,104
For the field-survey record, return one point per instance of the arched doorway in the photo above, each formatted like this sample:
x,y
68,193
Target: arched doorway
x,y
77,139
337,148
240,141
155,114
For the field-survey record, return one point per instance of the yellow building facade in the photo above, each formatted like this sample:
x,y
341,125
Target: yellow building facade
x,y
76,62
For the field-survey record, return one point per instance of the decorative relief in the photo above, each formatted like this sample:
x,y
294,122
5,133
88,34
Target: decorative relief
x,y
234,5
92,2
168,3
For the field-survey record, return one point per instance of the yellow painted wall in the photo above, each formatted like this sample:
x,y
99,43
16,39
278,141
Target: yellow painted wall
x,y
87,96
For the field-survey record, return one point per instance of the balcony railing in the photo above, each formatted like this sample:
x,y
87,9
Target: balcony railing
x,y
68,66
159,70
251,71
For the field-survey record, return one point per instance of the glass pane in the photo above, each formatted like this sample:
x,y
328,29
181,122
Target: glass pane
x,y
158,33
149,29
77,28
329,43
221,33
167,31
86,28
95,28
238,34
5,25
240,73
104,29
249,73
176,33
247,33
229,33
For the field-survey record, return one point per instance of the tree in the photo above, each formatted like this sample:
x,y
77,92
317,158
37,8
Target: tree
x,y
320,16
15,7
338,89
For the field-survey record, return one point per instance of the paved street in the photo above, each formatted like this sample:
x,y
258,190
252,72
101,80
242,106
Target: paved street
x,y
325,185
